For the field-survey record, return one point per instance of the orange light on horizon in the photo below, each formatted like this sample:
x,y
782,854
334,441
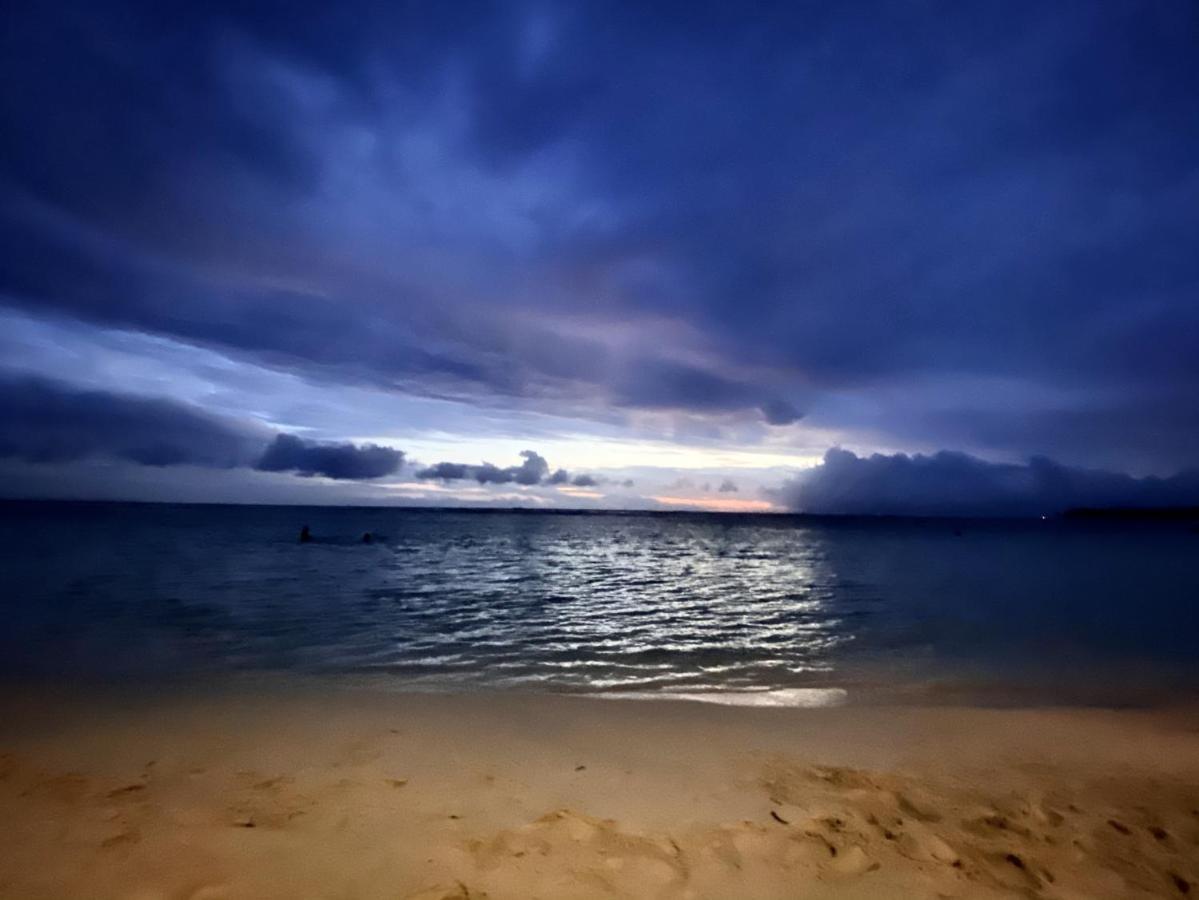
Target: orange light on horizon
x,y
580,492
718,504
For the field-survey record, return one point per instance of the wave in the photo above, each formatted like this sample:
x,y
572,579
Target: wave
x,y
799,698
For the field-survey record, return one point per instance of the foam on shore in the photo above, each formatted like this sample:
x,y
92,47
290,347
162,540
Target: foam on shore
x,y
798,698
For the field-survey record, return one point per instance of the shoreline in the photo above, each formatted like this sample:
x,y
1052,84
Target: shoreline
x,y
339,791
1131,684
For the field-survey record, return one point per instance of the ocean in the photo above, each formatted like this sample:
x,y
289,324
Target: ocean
x,y
753,609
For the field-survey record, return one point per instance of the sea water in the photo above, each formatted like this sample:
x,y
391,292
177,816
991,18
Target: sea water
x,y
760,610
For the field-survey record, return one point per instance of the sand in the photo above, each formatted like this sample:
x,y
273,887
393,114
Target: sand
x,y
353,793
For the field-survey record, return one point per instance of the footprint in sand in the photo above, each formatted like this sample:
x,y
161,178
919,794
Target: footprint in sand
x,y
457,891
589,851
1119,826
267,802
921,813
128,790
854,861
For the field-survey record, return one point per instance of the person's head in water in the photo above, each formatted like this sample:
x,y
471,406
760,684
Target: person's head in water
x,y
367,537
305,535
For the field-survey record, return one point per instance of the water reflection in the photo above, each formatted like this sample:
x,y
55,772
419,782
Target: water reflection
x,y
643,605
595,603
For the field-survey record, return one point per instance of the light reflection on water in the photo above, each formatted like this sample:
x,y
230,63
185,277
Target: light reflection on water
x,y
621,604
640,604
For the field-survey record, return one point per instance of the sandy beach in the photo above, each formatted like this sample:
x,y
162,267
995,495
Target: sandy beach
x,y
353,793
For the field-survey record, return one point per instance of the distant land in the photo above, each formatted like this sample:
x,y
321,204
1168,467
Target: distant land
x,y
1100,513
1157,513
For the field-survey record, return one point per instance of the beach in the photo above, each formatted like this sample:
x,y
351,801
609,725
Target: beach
x,y
599,451
256,789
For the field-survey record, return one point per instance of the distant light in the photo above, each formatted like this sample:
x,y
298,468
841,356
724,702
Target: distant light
x,y
1043,518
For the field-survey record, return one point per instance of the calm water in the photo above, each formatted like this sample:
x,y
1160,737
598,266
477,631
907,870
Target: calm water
x,y
619,603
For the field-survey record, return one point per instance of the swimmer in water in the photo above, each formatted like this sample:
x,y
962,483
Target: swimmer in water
x,y
305,535
367,537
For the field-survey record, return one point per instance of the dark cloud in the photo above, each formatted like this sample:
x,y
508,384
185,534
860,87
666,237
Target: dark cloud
x,y
727,486
1155,430
446,471
288,453
662,384
688,208
956,484
43,421
533,470
780,412
490,474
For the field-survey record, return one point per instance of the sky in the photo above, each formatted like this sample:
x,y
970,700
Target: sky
x,y
834,257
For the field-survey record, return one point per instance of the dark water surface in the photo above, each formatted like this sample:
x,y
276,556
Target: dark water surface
x,y
757,608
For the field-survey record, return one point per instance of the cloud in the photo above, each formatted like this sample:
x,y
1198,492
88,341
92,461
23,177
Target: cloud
x,y
446,471
727,486
656,383
490,474
956,484
532,471
780,412
288,453
792,211
44,421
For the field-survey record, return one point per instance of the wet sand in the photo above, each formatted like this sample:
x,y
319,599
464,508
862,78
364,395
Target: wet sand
x,y
353,793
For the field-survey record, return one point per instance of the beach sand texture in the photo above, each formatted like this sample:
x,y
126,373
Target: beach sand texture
x,y
362,794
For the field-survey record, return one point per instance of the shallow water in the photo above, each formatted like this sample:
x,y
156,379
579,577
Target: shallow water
x,y
773,610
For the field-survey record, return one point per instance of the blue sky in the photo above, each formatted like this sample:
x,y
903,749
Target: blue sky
x,y
665,247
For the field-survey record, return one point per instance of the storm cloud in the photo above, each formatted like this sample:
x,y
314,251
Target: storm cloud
x,y
288,453
774,217
42,421
956,484
775,228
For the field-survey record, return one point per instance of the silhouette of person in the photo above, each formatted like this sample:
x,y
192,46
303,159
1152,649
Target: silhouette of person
x,y
305,535
367,537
